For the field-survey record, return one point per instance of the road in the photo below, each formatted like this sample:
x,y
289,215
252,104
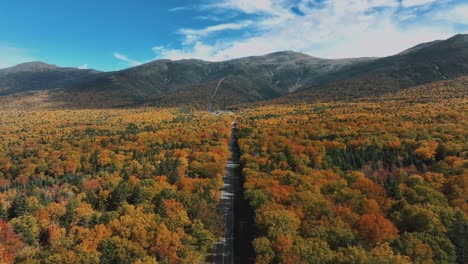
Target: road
x,y
224,247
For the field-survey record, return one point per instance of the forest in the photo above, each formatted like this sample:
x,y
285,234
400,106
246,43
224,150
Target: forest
x,y
374,180
379,180
110,186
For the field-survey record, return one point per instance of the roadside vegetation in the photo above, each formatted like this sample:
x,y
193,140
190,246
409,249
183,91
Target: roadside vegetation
x,y
110,186
377,180
381,180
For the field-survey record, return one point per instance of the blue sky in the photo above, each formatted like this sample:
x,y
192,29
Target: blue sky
x,y
116,34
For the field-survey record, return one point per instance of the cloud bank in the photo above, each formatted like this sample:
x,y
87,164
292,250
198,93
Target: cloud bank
x,y
329,28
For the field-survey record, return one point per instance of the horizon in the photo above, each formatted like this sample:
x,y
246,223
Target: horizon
x,y
208,61
185,59
108,36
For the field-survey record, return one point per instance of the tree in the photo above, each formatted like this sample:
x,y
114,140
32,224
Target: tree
x,y
383,253
10,242
118,196
410,245
427,150
168,244
118,250
175,213
353,254
310,250
137,196
204,238
3,212
375,228
27,226
276,221
459,236
90,238
135,225
19,206
263,250
415,218
56,236
442,248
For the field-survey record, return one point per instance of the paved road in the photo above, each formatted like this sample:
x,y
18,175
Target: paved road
x,y
224,248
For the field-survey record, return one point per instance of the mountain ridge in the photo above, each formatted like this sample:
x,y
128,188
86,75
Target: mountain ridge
x,y
249,79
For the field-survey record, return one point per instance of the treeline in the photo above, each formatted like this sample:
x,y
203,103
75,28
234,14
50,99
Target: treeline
x,y
110,186
380,181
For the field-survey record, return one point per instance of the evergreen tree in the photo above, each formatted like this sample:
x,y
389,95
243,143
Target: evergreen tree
x,y
118,196
459,236
19,206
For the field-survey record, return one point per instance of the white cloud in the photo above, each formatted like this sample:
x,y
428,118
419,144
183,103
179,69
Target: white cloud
x,y
11,56
215,28
333,29
126,59
179,8
192,35
83,67
198,50
457,14
412,3
248,6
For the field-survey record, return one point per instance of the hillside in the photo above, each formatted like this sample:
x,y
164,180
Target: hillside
x,y
219,85
37,75
424,63
225,83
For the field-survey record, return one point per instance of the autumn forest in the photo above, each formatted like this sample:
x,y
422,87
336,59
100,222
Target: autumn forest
x,y
374,180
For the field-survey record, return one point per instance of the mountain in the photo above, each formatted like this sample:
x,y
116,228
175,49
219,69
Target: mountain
x,y
33,76
424,63
241,80
419,47
167,82
215,85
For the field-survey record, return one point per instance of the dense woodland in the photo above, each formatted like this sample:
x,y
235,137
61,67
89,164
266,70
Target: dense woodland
x,y
110,186
377,181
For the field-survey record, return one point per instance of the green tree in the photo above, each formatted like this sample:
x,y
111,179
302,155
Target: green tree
x,y
442,247
27,226
263,250
354,254
459,236
118,196
117,250
19,206
312,250
136,197
410,245
204,238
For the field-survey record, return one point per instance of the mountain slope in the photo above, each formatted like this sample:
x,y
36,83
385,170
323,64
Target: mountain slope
x,y
33,76
195,82
425,63
217,85
173,82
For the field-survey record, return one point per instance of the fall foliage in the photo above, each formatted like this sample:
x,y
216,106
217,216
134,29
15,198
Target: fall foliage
x,y
110,186
380,180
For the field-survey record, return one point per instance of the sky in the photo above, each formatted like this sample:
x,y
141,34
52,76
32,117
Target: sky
x,y
111,35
